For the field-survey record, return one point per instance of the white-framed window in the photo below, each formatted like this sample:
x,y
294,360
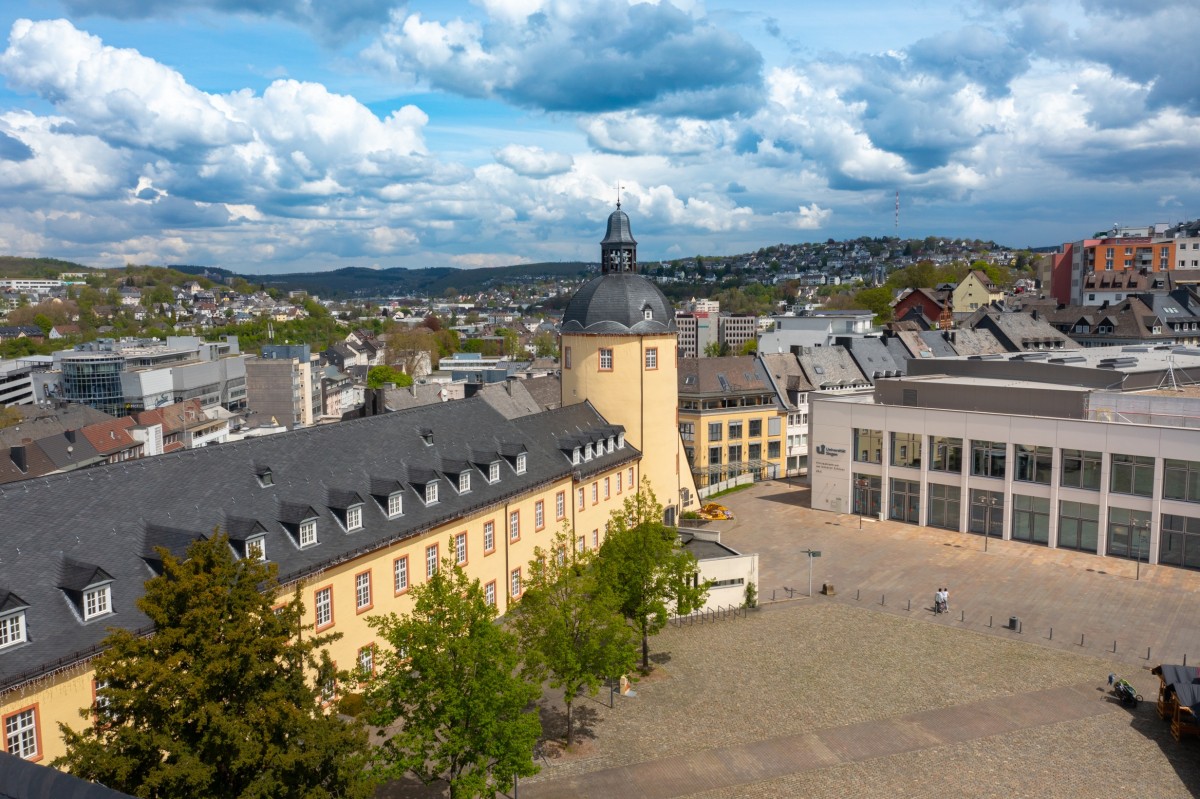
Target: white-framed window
x,y
20,734
521,461
581,544
579,499
606,360
431,493
12,629
256,547
539,515
323,603
354,518
596,538
652,358
400,573
362,590
493,472
97,601
489,536
607,486
618,482
595,493
514,525
395,504
631,477
366,660
587,453
489,593
431,560
560,505
514,584
308,532
102,700
575,456
464,482
460,548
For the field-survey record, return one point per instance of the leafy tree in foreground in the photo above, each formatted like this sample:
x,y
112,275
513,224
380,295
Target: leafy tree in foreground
x,y
451,679
380,376
219,701
642,562
570,625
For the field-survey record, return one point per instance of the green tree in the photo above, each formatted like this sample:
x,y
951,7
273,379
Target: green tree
x,y
451,676
382,375
570,625
219,701
749,347
642,561
877,300
44,322
716,349
545,345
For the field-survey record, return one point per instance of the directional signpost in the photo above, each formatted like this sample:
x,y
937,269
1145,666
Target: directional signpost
x,y
812,553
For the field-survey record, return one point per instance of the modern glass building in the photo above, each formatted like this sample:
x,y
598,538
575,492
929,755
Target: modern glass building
x,y
94,378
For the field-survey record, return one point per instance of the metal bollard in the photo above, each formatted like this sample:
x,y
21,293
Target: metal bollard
x,y
1081,639
856,593
883,599
909,605
1147,653
989,621
962,615
1051,633
1114,647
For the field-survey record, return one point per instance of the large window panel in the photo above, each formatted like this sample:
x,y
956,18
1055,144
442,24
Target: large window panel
x,y
1031,519
1179,541
905,504
1132,474
1078,525
868,445
1128,533
1032,463
906,450
989,458
945,506
1081,469
1181,480
945,454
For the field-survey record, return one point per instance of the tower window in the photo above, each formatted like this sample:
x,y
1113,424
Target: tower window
x,y
566,357
647,314
606,360
652,357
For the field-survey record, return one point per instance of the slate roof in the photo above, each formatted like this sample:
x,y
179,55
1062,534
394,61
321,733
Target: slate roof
x,y
872,357
106,517
1019,331
510,398
20,779
617,303
39,422
936,341
783,370
831,368
975,342
726,375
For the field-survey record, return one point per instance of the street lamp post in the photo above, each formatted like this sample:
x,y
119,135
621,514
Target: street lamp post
x,y
863,497
1141,545
812,553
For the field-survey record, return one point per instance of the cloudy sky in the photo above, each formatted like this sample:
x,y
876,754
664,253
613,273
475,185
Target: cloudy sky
x,y
279,135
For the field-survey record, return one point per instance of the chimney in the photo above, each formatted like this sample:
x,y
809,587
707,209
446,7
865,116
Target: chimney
x,y
70,434
19,457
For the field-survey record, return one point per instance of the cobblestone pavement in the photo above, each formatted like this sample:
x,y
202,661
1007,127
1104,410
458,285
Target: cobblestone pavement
x,y
845,701
782,703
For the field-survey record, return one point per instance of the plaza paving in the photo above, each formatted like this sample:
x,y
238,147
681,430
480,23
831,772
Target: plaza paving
x,y
838,696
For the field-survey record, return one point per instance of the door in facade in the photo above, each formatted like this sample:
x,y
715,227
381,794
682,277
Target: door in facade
x,y
987,513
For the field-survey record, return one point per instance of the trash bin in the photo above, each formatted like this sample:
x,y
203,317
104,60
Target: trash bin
x,y
1013,622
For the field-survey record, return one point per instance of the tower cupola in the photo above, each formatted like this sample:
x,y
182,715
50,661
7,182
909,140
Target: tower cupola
x,y
618,250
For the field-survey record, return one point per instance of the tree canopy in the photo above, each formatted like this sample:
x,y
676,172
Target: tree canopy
x,y
450,674
570,625
382,375
651,574
219,701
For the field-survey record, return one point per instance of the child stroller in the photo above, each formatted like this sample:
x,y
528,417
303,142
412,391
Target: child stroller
x,y
1124,691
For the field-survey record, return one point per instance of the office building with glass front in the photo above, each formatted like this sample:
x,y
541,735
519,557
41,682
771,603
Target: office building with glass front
x,y
1080,466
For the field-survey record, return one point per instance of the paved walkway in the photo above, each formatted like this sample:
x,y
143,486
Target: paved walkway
x,y
868,693
785,755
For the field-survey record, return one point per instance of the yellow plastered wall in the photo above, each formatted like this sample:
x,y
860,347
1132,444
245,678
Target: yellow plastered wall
x,y
639,392
58,698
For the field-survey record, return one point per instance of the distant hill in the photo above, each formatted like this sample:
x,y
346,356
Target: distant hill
x,y
396,281
46,268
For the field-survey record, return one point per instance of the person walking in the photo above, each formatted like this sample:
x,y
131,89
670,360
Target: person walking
x,y
945,600
937,601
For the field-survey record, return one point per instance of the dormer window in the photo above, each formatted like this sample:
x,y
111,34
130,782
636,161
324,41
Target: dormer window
x,y
521,459
611,445
256,547
12,628
575,456
494,472
464,482
647,314
97,601
264,475
431,493
308,532
587,455
395,504
427,436
620,441
354,518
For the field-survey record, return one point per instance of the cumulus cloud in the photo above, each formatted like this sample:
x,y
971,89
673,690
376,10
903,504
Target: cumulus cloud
x,y
588,56
332,21
533,162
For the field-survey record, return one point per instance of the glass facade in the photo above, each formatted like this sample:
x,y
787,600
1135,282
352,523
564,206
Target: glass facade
x,y
945,454
987,513
1179,541
1032,464
1031,519
905,502
988,458
1132,474
868,494
1081,469
945,506
95,380
1128,533
868,445
1078,525
1181,480
906,450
